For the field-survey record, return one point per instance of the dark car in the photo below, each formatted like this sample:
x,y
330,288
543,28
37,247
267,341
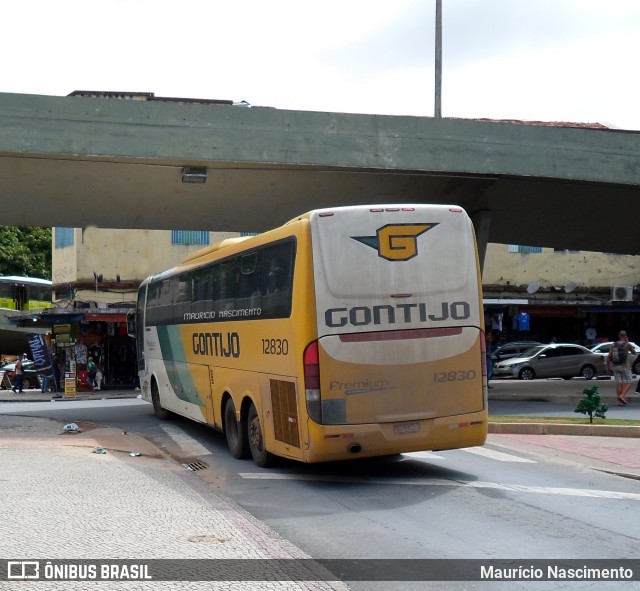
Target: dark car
x,y
31,379
512,349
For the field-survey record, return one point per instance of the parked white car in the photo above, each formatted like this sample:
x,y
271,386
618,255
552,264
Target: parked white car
x,y
603,349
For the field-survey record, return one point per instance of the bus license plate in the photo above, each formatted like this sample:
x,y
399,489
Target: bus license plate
x,y
405,428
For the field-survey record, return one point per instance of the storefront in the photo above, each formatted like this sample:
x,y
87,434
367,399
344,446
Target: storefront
x,y
585,324
102,336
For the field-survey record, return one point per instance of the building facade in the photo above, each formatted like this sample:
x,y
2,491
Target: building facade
x,y
95,275
531,293
534,293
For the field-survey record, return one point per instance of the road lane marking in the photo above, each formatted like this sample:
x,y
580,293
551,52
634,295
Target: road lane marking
x,y
546,490
424,455
496,455
189,445
480,451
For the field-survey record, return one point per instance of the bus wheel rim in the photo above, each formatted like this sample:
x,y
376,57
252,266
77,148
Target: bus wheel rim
x,y
255,433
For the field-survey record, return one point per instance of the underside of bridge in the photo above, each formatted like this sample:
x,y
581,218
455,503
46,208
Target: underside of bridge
x,y
79,161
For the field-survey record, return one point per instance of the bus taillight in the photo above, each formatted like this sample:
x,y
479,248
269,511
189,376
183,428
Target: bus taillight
x,y
311,360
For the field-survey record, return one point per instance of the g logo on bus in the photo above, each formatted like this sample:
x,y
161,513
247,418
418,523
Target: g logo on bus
x,y
396,242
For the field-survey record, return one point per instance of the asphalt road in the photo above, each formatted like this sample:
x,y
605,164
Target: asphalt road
x,y
509,499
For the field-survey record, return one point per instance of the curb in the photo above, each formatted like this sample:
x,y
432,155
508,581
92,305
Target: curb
x,y
610,399
81,396
564,429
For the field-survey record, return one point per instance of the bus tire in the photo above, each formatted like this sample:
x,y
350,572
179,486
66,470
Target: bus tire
x,y
260,455
160,412
235,432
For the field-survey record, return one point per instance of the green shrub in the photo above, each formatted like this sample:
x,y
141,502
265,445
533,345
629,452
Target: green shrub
x,y
591,404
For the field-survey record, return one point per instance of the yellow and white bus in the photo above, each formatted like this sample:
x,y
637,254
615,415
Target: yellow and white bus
x,y
350,332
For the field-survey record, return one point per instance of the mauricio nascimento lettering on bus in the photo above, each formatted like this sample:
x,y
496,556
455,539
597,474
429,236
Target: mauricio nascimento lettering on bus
x,y
212,314
400,313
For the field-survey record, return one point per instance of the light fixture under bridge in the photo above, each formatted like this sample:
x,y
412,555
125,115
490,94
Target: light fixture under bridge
x,y
194,174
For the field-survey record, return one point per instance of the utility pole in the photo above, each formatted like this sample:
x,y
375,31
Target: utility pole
x,y
438,85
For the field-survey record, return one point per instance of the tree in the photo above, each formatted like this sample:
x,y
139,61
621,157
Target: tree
x,y
25,251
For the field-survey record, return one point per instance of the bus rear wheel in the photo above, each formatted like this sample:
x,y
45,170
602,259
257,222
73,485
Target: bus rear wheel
x,y
260,455
235,432
160,412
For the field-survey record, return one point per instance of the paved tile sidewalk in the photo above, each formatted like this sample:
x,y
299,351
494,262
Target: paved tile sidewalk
x,y
60,500
612,454
622,454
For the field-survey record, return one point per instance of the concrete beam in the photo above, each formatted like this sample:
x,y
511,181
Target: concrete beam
x,y
76,161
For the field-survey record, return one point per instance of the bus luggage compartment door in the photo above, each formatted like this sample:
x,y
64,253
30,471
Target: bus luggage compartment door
x,y
415,376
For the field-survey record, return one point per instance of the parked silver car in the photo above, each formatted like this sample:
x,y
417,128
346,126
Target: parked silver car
x,y
31,378
512,349
558,360
634,358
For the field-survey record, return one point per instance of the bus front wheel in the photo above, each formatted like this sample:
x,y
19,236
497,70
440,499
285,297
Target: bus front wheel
x,y
160,412
235,432
260,455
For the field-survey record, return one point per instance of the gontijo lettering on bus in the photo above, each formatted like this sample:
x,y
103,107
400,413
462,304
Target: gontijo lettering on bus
x,y
397,314
216,344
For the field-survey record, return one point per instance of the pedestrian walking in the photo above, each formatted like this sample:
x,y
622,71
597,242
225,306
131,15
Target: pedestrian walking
x,y
19,375
92,371
56,372
618,361
489,353
98,384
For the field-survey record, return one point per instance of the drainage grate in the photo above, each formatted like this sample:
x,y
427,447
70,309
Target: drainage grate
x,y
195,466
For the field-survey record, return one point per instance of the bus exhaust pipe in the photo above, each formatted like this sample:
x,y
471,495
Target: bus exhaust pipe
x,y
355,448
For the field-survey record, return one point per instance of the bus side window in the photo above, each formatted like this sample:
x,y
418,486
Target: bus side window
x,y
152,304
202,290
277,280
182,296
247,295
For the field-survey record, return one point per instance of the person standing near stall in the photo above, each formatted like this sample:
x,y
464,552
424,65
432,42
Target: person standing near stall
x,y
19,374
98,381
92,371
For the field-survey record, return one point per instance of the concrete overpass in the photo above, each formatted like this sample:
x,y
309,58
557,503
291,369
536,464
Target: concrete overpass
x,y
78,161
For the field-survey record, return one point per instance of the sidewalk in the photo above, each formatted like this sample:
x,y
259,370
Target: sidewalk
x,y
35,395
62,500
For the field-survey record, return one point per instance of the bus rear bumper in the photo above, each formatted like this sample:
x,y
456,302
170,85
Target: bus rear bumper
x,y
342,442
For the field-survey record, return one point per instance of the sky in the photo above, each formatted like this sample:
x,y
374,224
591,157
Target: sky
x,y
537,60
